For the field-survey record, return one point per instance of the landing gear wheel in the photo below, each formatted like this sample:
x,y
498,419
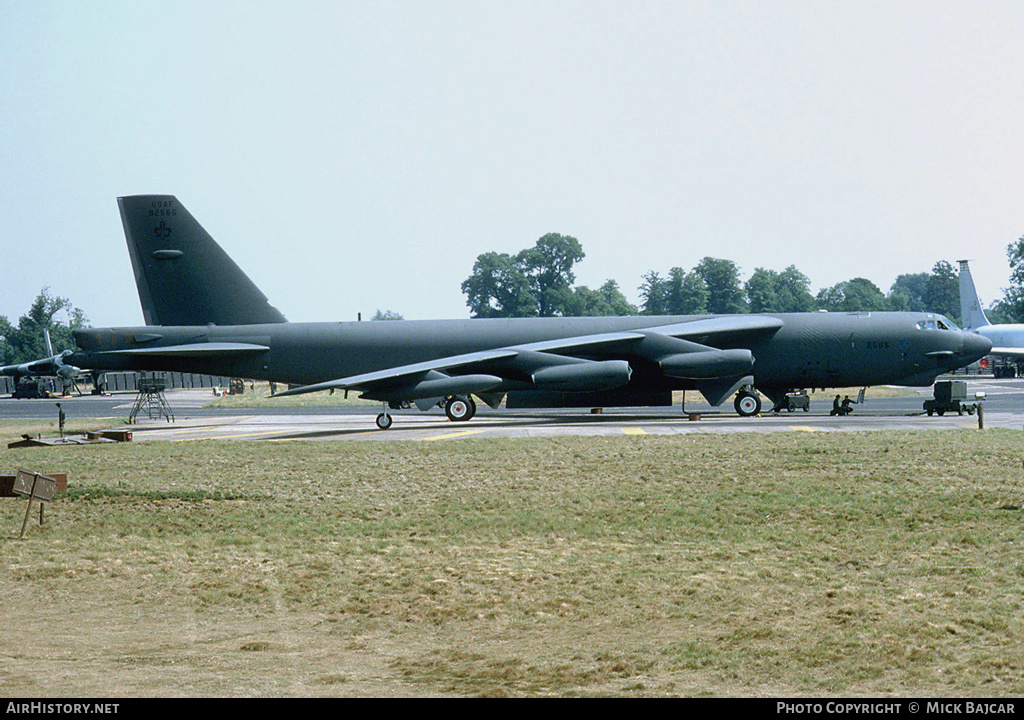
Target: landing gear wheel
x,y
384,421
459,409
747,404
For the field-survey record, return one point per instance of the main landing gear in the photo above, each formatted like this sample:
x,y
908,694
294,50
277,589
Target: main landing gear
x,y
748,402
458,408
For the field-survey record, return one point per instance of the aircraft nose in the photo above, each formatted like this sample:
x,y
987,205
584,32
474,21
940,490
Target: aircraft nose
x,y
975,347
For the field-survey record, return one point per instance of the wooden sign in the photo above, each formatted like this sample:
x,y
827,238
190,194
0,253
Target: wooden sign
x,y
35,485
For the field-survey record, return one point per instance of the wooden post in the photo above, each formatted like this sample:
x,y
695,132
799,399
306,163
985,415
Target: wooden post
x,y
28,509
38,487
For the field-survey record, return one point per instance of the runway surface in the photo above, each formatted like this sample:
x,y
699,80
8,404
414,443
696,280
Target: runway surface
x,y
193,420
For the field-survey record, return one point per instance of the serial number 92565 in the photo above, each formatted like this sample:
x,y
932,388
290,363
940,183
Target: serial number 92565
x,y
162,208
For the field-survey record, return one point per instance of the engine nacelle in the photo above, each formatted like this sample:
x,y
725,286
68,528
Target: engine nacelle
x,y
708,364
68,372
583,377
437,385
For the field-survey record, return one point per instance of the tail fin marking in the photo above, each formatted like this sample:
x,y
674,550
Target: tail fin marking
x,y
183,276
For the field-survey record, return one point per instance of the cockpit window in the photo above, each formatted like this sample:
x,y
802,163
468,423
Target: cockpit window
x,y
938,323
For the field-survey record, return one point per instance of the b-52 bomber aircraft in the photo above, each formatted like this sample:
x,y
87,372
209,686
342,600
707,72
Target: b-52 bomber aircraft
x,y
204,315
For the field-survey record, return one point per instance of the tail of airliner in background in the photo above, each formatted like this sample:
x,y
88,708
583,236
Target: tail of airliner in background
x,y
1007,339
972,316
182,274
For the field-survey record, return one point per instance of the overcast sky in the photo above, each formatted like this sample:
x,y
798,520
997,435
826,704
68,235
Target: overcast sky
x,y
356,156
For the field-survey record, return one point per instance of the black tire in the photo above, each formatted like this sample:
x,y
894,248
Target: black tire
x,y
459,409
747,404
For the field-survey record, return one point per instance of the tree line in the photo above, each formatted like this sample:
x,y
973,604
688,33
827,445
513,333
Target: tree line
x,y
539,282
25,341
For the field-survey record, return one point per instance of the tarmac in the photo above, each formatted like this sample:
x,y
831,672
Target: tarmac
x,y
193,419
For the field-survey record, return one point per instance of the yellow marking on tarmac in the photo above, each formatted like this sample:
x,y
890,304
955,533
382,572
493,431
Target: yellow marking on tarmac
x,y
634,431
449,436
230,437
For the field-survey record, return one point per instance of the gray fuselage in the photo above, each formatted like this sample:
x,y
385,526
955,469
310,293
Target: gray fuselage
x,y
809,349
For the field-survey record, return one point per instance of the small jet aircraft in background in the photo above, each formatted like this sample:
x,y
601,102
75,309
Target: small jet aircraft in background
x,y
55,365
204,315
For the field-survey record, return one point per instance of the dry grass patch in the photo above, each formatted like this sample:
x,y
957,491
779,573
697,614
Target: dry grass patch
x,y
781,564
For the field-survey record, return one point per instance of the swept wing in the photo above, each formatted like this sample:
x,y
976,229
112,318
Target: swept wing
x,y
581,364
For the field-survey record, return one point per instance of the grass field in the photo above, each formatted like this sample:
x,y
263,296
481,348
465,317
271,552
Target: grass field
x,y
852,564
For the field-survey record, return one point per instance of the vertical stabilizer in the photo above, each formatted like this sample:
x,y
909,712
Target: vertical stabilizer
x,y
971,314
182,274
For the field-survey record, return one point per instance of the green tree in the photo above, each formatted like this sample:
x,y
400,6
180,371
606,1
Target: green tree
x,y
943,291
910,292
1000,312
386,315
722,278
6,349
761,290
547,267
938,291
681,293
653,294
607,300
856,295
793,292
498,288
1012,305
687,293
26,342
769,291
536,281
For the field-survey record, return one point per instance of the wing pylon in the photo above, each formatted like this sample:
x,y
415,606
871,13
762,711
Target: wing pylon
x,y
573,364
